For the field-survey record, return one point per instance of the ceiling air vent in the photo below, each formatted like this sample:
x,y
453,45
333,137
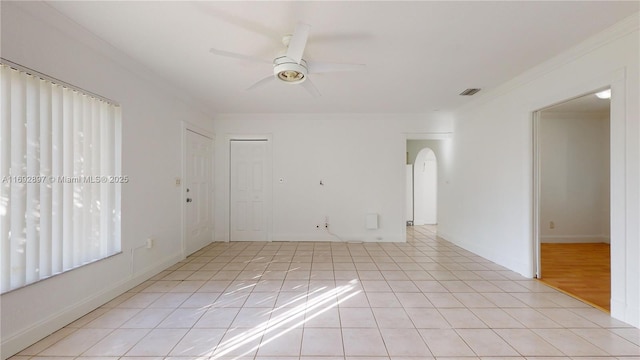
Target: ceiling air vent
x,y
469,92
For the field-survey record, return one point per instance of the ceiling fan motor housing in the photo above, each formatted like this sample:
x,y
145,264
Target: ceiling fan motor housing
x,y
289,71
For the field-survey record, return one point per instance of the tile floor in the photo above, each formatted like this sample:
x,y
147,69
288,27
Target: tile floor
x,y
423,299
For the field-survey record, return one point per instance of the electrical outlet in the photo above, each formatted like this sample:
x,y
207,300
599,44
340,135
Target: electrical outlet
x,y
552,225
149,243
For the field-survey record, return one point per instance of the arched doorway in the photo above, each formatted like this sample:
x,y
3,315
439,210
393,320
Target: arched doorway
x,y
425,188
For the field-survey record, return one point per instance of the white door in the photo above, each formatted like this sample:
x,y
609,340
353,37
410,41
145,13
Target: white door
x,y
409,196
198,193
248,190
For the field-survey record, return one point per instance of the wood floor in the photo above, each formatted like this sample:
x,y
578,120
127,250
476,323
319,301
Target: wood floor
x,y
582,270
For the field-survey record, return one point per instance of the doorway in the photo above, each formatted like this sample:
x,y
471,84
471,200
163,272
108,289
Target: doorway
x,y
425,188
573,198
249,190
198,187
422,182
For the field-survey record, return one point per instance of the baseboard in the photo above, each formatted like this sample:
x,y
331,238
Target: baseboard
x,y
72,312
326,237
574,239
322,236
497,258
620,310
628,314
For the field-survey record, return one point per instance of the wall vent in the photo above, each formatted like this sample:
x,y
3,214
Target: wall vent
x,y
469,92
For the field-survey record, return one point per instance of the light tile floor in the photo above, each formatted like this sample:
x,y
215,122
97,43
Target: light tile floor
x,y
423,299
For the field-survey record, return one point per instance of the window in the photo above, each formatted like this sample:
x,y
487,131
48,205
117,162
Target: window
x,y
60,177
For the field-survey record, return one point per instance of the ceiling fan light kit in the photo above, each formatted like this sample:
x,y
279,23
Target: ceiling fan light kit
x,y
290,67
289,71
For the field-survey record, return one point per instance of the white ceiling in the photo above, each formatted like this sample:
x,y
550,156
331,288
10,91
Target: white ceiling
x,y
589,103
419,55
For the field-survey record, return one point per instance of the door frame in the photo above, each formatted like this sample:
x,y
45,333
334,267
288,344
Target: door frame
x,y
268,178
186,126
537,260
618,187
444,135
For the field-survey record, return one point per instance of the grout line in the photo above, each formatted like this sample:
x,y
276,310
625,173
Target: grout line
x,y
442,262
575,296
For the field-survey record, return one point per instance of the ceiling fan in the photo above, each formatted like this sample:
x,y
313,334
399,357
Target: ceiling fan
x,y
290,67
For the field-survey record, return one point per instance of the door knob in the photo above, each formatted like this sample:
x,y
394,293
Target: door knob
x,y
189,199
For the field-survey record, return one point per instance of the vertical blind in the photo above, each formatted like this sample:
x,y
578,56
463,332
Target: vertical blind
x,y
60,172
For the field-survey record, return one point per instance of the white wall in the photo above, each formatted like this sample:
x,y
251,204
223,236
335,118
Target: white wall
x,y
414,146
574,177
359,157
35,36
486,203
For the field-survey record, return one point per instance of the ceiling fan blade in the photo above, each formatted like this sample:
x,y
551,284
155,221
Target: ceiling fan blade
x,y
239,56
218,13
316,67
298,42
262,82
311,89
340,37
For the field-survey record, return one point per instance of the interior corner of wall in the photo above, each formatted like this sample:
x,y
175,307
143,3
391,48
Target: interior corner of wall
x,y
627,313
14,343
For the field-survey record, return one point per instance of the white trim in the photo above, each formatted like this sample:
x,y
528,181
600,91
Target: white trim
x,y
257,137
343,238
537,271
616,80
198,130
494,255
428,136
187,126
574,239
619,210
72,312
268,137
445,135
